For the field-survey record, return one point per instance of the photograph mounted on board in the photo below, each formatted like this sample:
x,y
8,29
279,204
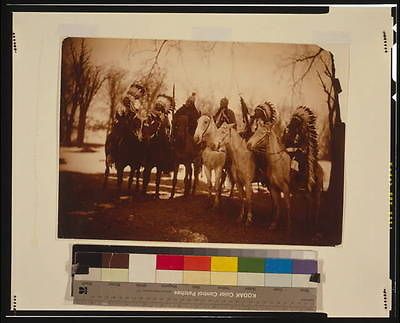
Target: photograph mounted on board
x,y
200,141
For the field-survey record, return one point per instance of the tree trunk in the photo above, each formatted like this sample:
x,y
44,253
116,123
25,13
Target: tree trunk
x,y
63,122
81,126
70,124
111,117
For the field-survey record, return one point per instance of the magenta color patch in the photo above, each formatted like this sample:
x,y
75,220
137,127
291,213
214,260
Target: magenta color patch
x,y
305,266
169,262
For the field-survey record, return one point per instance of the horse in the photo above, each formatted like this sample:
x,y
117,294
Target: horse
x,y
123,148
301,134
153,132
277,170
213,158
184,151
242,166
263,113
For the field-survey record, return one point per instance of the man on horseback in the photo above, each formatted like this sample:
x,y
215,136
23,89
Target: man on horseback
x,y
131,104
189,109
224,114
297,148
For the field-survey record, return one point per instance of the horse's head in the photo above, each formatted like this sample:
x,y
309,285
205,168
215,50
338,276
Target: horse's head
x,y
258,140
203,125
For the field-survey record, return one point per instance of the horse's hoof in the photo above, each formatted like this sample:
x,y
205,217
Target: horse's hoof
x,y
248,221
171,197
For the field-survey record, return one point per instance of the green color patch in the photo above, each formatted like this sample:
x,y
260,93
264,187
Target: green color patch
x,y
251,265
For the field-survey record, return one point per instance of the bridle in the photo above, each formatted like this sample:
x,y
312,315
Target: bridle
x,y
208,125
258,143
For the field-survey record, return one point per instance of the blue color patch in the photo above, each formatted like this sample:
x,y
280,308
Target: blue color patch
x,y
278,266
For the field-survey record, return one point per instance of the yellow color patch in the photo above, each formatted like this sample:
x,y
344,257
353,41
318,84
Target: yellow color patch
x,y
224,264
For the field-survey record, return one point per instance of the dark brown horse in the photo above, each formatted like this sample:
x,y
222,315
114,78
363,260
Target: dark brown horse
x,y
122,149
156,150
184,149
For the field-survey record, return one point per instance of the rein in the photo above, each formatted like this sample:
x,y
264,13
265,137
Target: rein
x,y
265,150
205,130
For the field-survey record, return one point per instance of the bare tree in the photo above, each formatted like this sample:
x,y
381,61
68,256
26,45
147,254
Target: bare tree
x,y
67,87
331,87
115,89
93,80
75,64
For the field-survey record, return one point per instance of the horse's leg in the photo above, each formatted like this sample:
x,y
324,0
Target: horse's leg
x,y
120,174
106,174
232,182
158,180
218,176
249,193
174,180
196,177
146,178
286,201
187,181
137,179
209,183
221,186
276,196
242,201
131,174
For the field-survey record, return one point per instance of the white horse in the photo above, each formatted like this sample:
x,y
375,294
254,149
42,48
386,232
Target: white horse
x,y
242,166
212,157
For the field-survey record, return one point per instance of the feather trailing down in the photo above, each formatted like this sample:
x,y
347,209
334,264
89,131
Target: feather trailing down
x,y
308,119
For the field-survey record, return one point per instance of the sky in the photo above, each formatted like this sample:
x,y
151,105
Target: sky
x,y
257,71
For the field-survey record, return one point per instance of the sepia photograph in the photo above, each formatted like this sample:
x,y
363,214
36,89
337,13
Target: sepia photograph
x,y
200,141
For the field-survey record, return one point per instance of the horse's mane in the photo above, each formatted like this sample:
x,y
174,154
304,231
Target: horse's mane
x,y
308,119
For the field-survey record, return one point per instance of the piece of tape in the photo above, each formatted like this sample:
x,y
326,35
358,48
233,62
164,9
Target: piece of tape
x,y
315,278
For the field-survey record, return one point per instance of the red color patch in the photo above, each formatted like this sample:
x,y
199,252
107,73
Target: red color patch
x,y
202,263
169,262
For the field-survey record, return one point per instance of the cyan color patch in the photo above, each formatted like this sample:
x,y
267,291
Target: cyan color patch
x,y
278,266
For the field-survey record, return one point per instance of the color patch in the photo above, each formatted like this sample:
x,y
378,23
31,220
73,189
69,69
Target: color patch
x,y
169,276
115,260
279,266
278,280
250,279
94,274
86,260
223,278
198,263
115,274
302,280
305,266
142,268
169,262
196,277
251,265
229,264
